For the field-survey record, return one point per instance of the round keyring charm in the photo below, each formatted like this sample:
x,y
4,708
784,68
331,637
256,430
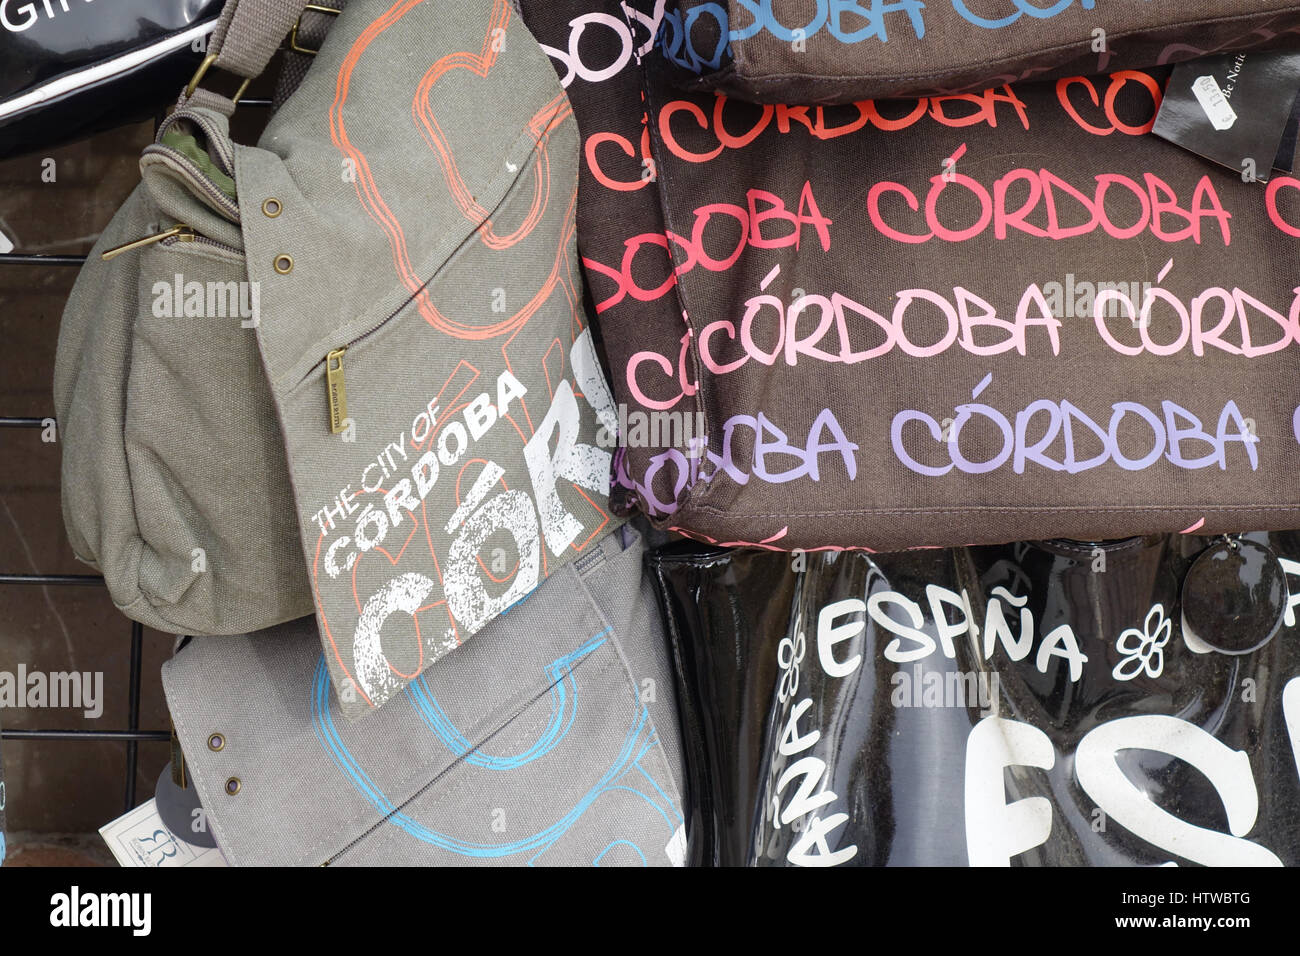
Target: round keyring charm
x,y
1234,597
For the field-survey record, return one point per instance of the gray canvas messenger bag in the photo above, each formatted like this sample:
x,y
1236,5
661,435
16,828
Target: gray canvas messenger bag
x,y
550,739
346,371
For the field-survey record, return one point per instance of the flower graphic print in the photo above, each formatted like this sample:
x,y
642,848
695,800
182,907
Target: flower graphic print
x,y
788,656
1143,649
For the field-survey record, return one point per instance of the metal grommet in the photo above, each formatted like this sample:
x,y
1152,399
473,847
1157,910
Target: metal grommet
x,y
283,264
216,742
232,786
272,207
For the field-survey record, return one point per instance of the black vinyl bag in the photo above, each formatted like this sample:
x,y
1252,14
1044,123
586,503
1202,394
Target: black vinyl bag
x,y
1056,703
70,68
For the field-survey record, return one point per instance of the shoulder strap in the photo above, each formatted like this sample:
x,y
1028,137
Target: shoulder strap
x,y
246,37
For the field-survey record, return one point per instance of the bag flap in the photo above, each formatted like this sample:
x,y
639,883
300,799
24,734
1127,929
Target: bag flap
x,y
538,717
410,212
387,161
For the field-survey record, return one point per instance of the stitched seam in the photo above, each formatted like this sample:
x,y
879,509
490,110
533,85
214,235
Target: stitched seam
x,y
1182,24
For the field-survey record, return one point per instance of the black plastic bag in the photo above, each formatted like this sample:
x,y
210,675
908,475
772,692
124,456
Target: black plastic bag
x,y
1045,703
70,68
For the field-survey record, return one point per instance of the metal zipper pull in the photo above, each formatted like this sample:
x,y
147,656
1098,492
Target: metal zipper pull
x,y
182,233
337,392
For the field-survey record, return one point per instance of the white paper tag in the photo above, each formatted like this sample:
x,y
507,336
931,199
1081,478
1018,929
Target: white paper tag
x,y
676,848
6,245
1220,112
140,838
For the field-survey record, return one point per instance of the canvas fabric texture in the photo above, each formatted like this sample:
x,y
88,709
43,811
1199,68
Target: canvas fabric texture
x,y
551,739
999,316
413,214
821,51
175,483
248,33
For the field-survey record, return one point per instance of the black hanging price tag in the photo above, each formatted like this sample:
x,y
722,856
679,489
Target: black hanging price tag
x,y
1233,109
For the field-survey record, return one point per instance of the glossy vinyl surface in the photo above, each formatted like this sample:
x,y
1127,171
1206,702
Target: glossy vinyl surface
x,y
1242,583
41,42
860,709
36,47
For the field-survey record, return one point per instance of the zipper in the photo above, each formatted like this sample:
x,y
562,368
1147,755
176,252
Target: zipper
x,y
203,187
204,241
168,237
200,184
336,392
337,397
216,140
179,232
217,197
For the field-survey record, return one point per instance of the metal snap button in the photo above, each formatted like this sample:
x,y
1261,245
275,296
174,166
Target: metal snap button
x,y
283,264
232,786
272,207
216,742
